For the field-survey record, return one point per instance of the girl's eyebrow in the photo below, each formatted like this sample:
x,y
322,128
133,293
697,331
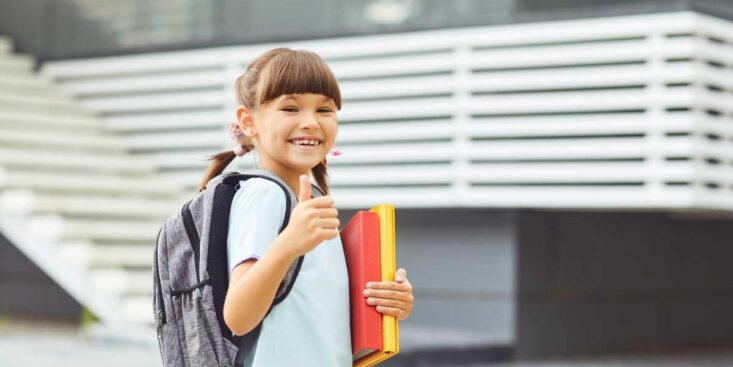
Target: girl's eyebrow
x,y
290,96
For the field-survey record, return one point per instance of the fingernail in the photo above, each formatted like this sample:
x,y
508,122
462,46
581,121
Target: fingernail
x,y
399,278
366,292
369,285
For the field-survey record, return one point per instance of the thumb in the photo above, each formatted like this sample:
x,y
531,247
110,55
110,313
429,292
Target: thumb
x,y
400,275
305,189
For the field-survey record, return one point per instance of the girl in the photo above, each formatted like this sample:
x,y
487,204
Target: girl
x,y
287,114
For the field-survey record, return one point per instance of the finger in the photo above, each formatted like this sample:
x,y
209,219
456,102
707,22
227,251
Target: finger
x,y
396,312
400,275
388,286
328,222
396,295
388,303
328,233
305,189
327,212
322,202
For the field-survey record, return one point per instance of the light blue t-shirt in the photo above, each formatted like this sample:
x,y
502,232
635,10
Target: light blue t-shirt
x,y
310,327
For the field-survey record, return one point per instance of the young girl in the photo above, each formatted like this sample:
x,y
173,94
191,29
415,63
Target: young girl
x,y
287,114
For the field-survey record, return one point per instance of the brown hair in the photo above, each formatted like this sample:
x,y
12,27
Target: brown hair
x,y
274,73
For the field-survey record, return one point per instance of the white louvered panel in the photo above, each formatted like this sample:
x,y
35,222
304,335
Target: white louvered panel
x,y
625,95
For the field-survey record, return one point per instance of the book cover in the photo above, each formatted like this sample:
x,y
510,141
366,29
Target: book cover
x,y
360,240
386,270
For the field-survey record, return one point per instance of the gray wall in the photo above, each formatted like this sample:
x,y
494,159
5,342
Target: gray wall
x,y
618,282
27,293
461,265
62,29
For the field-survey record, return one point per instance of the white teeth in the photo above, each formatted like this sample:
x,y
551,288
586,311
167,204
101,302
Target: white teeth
x,y
305,142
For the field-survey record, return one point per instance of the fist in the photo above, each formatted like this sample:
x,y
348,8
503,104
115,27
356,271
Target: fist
x,y
313,220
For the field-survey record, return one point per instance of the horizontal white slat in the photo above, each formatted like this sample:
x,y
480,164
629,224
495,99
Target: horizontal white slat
x,y
403,86
573,101
575,125
580,77
393,131
556,55
398,65
605,172
602,148
398,174
396,109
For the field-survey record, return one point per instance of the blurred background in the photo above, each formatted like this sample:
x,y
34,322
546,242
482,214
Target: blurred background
x,y
562,170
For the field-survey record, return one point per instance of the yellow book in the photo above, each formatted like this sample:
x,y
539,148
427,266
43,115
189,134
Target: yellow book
x,y
388,267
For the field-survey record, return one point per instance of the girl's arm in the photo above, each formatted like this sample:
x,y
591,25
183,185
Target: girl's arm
x,y
253,285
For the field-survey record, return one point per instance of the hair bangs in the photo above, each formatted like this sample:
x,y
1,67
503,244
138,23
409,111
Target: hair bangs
x,y
298,72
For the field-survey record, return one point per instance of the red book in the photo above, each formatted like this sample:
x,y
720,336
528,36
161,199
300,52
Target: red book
x,y
360,239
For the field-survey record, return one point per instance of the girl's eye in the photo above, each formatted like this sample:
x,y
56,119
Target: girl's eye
x,y
290,109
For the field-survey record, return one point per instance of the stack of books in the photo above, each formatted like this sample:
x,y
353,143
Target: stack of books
x,y
369,247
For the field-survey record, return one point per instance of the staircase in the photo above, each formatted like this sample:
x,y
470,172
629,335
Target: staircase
x,y
74,200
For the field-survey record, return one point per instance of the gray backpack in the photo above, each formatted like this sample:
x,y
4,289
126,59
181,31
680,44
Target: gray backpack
x,y
190,278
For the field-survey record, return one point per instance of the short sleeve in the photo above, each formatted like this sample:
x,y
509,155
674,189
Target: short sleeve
x,y
255,217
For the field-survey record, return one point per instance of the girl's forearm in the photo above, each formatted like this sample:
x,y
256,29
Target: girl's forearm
x,y
251,295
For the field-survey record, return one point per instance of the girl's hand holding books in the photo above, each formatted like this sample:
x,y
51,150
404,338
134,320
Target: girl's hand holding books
x,y
312,221
391,298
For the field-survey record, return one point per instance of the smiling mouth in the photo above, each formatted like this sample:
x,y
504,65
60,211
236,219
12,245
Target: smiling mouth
x,y
306,146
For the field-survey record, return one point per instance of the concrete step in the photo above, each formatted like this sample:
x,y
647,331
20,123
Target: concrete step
x,y
29,85
104,255
56,229
14,64
58,106
60,161
43,121
139,308
6,45
88,183
28,202
67,139
122,282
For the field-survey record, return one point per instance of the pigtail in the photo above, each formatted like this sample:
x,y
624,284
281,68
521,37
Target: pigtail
x,y
216,167
321,175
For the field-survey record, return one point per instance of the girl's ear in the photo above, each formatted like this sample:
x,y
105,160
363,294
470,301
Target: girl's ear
x,y
245,121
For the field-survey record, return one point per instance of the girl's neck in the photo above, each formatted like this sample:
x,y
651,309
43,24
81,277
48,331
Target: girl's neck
x,y
291,178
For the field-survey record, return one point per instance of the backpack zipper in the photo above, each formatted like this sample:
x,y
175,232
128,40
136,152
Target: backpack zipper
x,y
193,235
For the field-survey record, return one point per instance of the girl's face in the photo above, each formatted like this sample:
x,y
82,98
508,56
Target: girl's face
x,y
277,124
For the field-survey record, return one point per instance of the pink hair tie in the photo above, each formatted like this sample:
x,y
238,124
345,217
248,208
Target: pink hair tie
x,y
240,150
